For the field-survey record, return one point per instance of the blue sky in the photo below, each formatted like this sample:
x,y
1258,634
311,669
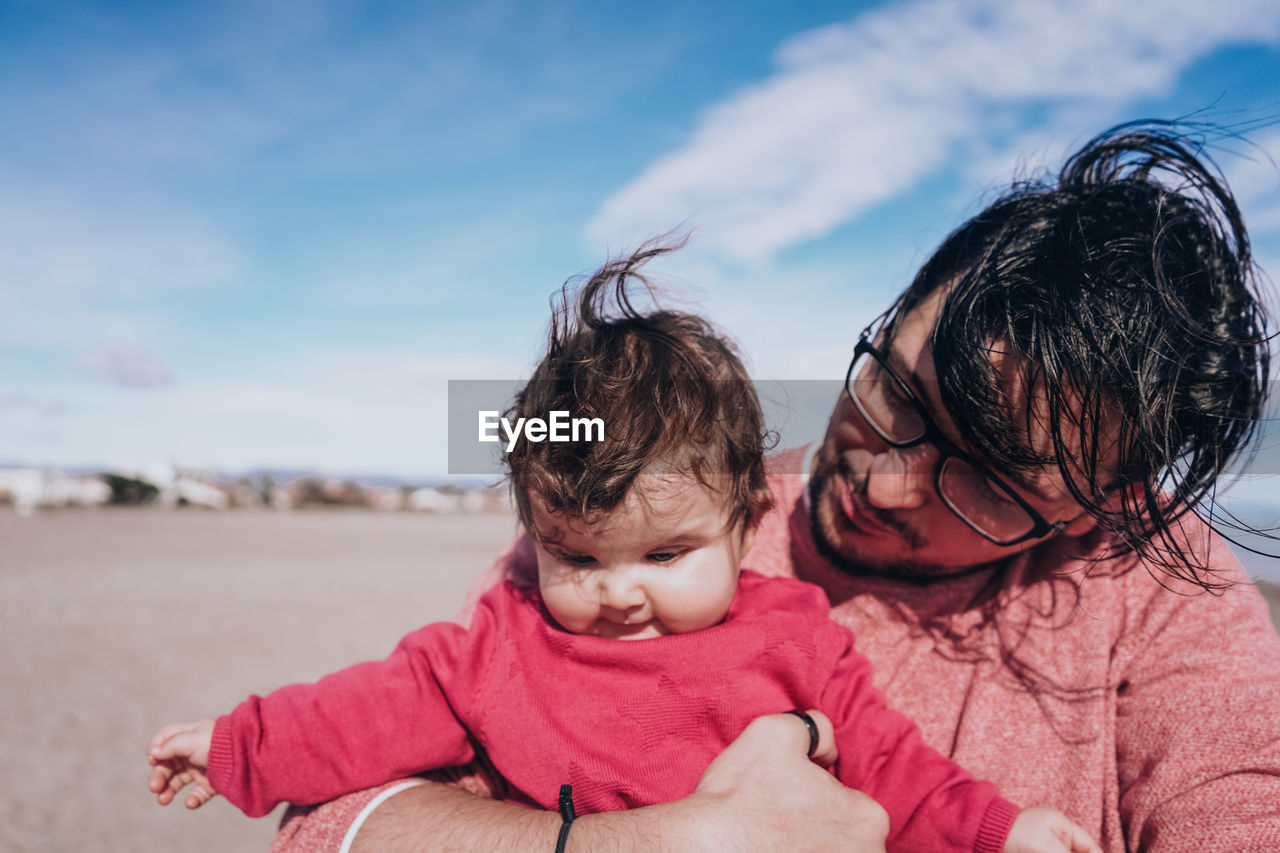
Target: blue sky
x,y
266,234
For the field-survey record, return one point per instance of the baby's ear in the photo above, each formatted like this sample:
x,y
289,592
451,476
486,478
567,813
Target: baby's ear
x,y
749,528
522,564
761,502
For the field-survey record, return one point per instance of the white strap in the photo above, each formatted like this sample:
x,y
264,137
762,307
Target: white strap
x,y
368,810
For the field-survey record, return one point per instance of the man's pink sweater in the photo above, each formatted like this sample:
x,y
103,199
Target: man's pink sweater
x,y
1149,713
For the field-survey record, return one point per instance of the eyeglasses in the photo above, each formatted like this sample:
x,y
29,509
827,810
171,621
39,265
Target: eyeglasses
x,y
978,497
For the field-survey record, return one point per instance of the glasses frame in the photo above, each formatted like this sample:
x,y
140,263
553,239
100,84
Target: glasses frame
x,y
1040,526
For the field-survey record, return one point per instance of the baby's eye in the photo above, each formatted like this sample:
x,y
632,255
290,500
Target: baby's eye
x,y
578,559
664,556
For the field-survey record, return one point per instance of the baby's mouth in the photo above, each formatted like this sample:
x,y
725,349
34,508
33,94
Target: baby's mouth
x,y
628,628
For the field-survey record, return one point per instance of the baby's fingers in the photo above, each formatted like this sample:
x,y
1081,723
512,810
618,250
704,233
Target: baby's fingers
x,y
182,740
1082,842
159,781
166,784
1075,838
199,795
162,737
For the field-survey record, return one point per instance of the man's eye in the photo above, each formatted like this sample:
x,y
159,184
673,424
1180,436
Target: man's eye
x,y
993,495
895,395
664,556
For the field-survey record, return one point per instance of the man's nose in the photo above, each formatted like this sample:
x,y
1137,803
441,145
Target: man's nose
x,y
619,589
901,477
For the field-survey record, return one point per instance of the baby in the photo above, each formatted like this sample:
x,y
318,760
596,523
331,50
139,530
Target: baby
x,y
642,648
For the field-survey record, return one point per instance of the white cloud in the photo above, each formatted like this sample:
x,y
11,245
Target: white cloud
x,y
337,410
125,367
28,405
858,112
1254,175
77,269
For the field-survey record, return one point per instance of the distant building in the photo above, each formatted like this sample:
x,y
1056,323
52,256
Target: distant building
x,y
27,489
431,499
450,498
387,500
179,487
162,483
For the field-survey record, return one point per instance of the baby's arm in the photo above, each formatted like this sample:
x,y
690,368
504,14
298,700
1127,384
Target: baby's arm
x,y
359,727
933,803
180,755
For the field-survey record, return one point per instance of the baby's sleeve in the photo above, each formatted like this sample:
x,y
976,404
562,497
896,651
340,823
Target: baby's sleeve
x,y
933,803
359,727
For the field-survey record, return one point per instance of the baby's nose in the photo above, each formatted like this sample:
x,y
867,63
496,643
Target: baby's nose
x,y
620,591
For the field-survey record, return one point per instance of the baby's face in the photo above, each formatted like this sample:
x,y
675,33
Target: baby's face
x,y
664,562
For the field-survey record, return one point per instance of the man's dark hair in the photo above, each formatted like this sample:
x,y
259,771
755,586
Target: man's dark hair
x,y
670,389
1127,288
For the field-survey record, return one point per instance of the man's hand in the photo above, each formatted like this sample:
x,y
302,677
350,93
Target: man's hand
x,y
764,793
1043,830
180,755
761,794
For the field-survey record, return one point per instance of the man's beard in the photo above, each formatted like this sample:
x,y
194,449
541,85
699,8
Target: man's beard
x,y
902,568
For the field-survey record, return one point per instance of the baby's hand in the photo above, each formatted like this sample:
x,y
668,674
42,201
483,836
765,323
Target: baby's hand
x,y
1042,830
180,753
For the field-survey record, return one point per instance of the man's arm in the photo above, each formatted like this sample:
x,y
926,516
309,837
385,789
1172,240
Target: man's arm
x,y
1198,719
435,816
762,793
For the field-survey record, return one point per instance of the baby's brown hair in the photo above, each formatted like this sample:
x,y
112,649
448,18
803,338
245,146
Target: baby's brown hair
x,y
668,386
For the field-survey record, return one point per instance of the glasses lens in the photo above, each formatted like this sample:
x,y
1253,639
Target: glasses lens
x,y
984,504
883,402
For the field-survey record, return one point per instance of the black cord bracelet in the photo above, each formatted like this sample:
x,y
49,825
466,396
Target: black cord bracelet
x,y
567,814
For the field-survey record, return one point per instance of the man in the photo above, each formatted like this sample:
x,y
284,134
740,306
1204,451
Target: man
x,y
1003,512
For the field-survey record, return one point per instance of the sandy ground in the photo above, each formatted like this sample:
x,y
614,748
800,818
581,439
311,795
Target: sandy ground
x,y
116,622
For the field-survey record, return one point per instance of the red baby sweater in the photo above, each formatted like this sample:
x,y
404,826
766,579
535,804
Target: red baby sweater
x,y
627,723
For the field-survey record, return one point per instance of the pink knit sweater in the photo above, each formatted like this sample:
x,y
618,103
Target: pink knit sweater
x,y
1150,715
